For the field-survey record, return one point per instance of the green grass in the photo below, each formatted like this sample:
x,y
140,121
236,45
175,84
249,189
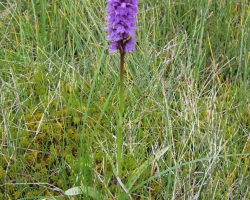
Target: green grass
x,y
187,112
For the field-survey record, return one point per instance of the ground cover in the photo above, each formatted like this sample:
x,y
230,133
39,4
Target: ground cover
x,y
187,93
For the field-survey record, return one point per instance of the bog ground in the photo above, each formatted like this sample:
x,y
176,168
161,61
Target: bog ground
x,y
187,112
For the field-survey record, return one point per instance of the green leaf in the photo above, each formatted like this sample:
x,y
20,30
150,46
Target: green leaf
x,y
89,191
144,166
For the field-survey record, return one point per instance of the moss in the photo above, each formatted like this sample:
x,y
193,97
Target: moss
x,y
76,120
246,164
112,188
17,194
71,134
24,142
38,166
59,126
44,171
156,188
98,156
45,128
31,126
130,163
38,116
37,175
54,178
2,174
60,183
30,158
60,130
68,158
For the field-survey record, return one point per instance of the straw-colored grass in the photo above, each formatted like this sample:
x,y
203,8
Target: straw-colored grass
x,y
187,112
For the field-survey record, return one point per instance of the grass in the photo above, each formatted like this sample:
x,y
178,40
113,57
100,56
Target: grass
x,y
187,112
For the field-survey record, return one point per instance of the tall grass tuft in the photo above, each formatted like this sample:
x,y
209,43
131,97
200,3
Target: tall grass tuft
x,y
186,96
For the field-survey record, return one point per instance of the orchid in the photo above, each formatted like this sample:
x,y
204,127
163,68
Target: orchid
x,y
121,24
121,34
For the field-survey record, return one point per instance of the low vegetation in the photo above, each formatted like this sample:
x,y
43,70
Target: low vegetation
x,y
186,126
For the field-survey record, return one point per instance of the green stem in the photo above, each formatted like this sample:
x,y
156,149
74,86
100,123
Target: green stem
x,y
121,110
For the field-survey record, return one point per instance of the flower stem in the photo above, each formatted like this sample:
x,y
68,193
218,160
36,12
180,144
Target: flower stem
x,y
121,111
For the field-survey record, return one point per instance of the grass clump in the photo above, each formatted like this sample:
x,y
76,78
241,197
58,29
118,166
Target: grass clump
x,y
187,90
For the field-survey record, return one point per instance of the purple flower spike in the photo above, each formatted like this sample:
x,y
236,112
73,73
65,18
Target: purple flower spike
x,y
121,24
